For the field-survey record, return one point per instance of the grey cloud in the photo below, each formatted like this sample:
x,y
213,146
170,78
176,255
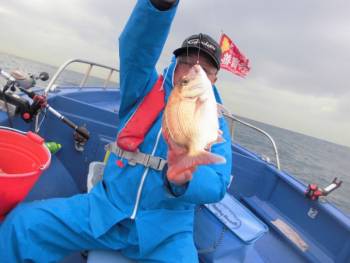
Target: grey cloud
x,y
291,45
298,46
342,113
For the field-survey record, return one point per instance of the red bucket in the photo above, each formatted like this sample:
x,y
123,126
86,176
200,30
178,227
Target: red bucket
x,y
23,157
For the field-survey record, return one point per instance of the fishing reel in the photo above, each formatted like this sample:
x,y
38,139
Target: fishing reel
x,y
17,80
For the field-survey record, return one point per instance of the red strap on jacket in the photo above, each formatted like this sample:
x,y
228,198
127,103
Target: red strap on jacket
x,y
135,130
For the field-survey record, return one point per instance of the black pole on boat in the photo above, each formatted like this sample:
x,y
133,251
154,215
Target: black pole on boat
x,y
81,130
82,134
40,102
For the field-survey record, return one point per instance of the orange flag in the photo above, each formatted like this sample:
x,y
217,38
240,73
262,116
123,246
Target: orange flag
x,y
231,58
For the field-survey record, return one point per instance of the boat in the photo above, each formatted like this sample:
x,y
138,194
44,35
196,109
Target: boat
x,y
292,222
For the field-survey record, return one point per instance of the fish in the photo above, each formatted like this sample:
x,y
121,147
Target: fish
x,y
190,123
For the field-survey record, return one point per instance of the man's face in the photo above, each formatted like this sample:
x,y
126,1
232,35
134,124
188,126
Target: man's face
x,y
185,62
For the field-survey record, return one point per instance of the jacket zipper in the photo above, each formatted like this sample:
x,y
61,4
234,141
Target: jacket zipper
x,y
143,178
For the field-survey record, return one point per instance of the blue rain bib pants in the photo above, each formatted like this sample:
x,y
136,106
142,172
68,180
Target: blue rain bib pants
x,y
132,209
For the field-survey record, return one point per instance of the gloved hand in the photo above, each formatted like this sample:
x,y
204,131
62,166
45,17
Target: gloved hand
x,y
163,5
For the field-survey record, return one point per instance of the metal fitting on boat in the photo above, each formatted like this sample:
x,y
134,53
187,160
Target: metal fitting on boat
x,y
313,192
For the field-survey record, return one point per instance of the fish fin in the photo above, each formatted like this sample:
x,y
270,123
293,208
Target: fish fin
x,y
189,162
173,147
220,139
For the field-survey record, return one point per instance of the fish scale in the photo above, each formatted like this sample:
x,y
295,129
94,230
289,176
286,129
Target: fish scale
x,y
190,122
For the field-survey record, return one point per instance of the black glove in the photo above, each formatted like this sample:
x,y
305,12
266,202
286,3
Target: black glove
x,y
163,5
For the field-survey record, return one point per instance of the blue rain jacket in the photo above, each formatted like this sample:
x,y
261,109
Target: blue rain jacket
x,y
47,230
158,214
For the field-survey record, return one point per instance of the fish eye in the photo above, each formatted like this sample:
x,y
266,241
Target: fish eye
x,y
184,81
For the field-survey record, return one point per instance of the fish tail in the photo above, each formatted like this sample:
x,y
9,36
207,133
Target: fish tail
x,y
190,162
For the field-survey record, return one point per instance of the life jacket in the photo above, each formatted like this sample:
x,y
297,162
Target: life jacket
x,y
136,128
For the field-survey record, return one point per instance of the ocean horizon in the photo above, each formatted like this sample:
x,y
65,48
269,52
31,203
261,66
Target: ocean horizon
x,y
307,158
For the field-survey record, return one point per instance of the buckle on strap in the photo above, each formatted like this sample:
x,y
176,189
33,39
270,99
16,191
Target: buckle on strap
x,y
156,163
134,158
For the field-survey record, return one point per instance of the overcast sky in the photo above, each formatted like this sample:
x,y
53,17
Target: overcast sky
x,y
299,51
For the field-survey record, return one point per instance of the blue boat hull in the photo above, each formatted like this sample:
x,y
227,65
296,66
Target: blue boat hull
x,y
300,230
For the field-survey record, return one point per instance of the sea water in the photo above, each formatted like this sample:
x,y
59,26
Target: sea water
x,y
309,159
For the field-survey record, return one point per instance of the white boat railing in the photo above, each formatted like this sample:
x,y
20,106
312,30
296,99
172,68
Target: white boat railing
x,y
90,65
231,119
52,86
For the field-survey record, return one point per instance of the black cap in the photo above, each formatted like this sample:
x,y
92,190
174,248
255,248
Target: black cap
x,y
203,42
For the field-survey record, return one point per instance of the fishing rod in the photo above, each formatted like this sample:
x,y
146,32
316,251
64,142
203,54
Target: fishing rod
x,y
24,83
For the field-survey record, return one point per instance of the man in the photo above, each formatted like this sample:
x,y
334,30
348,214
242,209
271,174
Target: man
x,y
135,209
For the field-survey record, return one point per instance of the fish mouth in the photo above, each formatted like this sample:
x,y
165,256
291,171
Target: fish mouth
x,y
195,83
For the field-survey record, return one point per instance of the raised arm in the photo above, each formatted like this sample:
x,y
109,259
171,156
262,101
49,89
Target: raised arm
x,y
140,46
